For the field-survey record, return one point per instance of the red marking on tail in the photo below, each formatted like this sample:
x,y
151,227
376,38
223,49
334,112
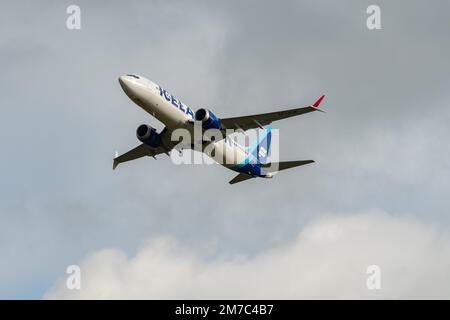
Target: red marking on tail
x,y
316,104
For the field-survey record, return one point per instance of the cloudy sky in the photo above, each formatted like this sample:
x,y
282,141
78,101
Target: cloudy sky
x,y
377,194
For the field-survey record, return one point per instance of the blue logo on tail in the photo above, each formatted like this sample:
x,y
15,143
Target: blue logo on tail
x,y
263,145
258,153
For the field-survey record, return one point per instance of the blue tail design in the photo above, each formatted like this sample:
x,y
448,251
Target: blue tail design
x,y
260,151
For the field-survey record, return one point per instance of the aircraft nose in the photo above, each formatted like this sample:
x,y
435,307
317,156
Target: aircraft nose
x,y
127,85
131,85
124,82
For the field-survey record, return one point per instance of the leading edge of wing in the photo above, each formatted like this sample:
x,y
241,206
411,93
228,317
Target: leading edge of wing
x,y
259,120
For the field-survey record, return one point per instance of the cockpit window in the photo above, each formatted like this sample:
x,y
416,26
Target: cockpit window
x,y
132,75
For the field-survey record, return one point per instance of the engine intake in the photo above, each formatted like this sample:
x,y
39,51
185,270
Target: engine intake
x,y
148,135
209,120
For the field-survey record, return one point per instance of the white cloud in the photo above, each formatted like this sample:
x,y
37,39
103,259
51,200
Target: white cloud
x,y
328,259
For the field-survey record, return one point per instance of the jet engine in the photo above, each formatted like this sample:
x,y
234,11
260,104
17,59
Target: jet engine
x,y
209,120
148,135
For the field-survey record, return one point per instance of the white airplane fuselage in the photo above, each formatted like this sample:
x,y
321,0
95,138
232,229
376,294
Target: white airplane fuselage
x,y
175,115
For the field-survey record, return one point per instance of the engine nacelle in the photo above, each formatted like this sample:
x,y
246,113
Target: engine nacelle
x,y
148,135
208,119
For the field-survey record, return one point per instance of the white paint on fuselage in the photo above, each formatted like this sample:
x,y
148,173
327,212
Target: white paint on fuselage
x,y
159,103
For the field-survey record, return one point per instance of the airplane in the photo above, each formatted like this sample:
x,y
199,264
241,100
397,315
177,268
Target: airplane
x,y
249,162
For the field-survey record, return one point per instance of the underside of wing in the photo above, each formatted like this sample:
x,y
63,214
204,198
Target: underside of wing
x,y
260,120
143,150
136,153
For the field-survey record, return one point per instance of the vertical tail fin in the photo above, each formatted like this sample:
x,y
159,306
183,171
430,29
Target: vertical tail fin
x,y
261,150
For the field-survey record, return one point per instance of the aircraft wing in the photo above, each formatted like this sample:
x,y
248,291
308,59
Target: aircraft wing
x,y
136,153
260,120
143,150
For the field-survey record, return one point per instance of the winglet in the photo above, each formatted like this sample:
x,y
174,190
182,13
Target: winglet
x,y
317,103
115,162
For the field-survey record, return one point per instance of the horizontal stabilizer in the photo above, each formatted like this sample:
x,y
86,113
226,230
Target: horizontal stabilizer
x,y
279,166
240,177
